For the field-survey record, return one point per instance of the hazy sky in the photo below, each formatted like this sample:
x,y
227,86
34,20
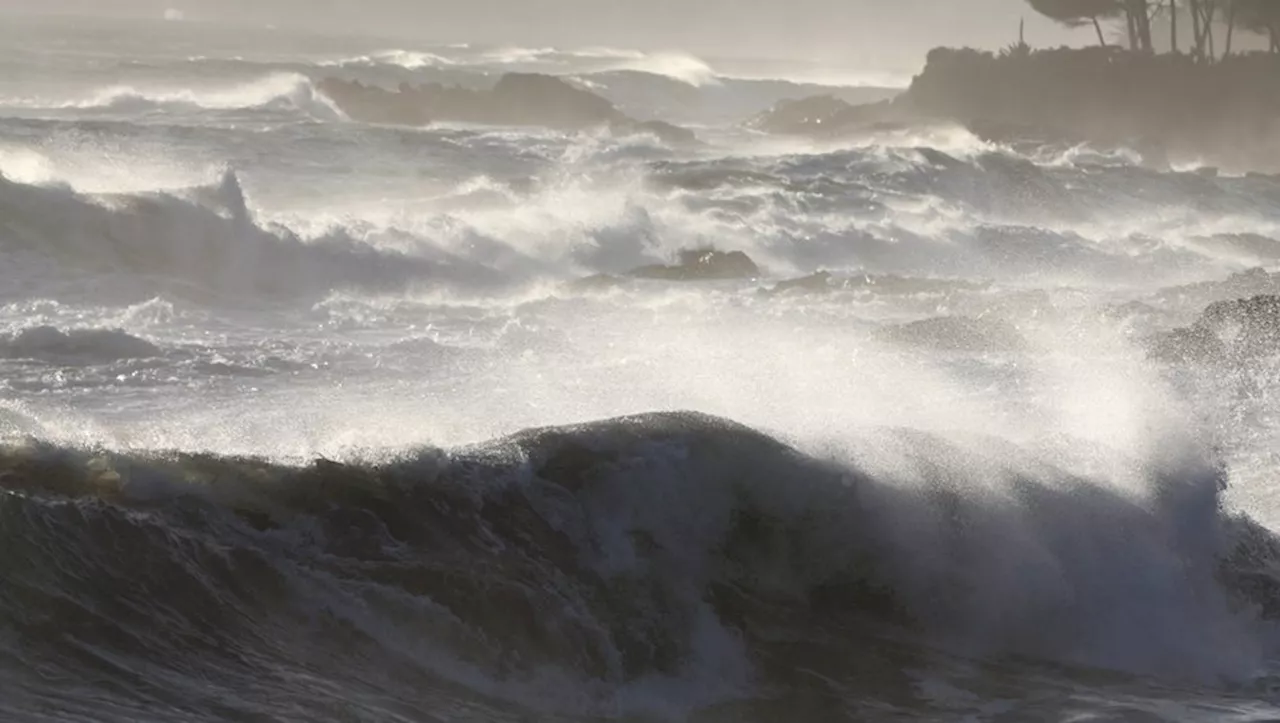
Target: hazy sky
x,y
893,31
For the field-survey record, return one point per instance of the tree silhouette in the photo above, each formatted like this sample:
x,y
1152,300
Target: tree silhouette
x,y
1074,13
1259,16
1203,15
1138,18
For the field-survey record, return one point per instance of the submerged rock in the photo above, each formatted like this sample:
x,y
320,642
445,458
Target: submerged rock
x,y
702,265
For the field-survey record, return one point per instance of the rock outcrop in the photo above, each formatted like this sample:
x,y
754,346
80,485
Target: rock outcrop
x,y
702,265
1165,106
518,99
1228,331
822,115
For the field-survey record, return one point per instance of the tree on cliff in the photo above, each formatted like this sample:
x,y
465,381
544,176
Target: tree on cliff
x,y
1259,16
1203,15
1250,15
1137,16
1074,13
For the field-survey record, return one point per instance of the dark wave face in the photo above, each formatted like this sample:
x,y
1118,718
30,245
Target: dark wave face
x,y
637,566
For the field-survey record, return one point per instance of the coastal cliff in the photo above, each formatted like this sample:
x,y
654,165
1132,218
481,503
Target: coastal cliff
x,y
1168,107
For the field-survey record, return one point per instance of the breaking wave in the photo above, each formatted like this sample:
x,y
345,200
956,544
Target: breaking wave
x,y
407,59
659,553
277,91
683,67
896,208
204,242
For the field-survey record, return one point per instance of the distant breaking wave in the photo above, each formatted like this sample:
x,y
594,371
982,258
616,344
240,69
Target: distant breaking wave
x,y
288,86
674,64
679,66
407,59
833,78
287,91
683,67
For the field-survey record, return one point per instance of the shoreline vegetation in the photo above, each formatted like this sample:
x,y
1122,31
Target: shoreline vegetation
x,y
1193,103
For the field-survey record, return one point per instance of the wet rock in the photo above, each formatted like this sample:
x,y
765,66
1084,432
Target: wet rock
x,y
1236,330
550,100
823,115
1191,344
518,99
1248,326
702,265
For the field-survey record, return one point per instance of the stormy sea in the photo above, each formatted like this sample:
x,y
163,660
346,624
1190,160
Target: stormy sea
x,y
310,413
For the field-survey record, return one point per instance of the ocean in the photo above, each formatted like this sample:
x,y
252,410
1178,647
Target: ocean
x,y
309,419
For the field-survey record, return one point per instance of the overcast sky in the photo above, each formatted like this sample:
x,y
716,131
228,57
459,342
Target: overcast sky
x,y
894,31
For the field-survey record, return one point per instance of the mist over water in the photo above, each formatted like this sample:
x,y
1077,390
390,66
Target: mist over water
x,y
305,417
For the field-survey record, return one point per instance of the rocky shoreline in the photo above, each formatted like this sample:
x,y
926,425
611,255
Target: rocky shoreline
x,y
1169,108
